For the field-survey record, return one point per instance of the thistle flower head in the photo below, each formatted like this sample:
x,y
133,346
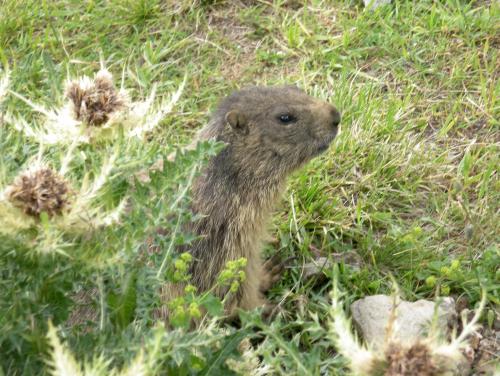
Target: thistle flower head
x,y
94,101
40,190
416,359
73,207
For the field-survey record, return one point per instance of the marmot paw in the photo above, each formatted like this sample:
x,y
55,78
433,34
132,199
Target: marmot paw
x,y
273,269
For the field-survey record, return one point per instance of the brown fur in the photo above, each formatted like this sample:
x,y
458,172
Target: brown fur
x,y
241,185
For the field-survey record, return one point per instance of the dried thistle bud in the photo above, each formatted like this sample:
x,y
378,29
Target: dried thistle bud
x,y
39,191
93,102
416,359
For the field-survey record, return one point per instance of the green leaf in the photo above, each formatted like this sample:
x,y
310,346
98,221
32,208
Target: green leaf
x,y
123,305
213,305
216,364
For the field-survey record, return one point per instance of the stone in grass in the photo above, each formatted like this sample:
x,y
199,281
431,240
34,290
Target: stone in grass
x,y
371,315
374,4
317,268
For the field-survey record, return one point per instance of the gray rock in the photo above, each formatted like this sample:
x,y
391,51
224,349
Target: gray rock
x,y
374,4
371,314
317,267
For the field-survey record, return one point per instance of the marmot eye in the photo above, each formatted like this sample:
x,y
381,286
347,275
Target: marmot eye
x,y
286,118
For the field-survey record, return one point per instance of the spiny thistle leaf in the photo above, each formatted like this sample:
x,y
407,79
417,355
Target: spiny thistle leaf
x,y
452,350
249,364
361,359
4,84
63,363
216,365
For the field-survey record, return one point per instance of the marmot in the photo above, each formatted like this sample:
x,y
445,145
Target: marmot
x,y
269,132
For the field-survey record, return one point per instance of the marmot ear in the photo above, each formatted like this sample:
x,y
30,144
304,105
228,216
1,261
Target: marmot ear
x,y
237,121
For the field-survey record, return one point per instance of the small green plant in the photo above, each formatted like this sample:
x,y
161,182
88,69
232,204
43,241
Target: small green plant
x,y
459,274
189,308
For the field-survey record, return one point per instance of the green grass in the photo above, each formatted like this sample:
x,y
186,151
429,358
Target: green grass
x,y
411,183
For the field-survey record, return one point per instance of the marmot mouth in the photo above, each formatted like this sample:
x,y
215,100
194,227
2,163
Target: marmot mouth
x,y
325,144
323,147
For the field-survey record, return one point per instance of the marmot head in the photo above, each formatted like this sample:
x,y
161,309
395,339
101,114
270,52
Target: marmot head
x,y
274,129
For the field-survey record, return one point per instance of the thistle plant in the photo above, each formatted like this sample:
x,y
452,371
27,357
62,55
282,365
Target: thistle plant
x,y
69,252
63,363
95,110
53,202
431,356
60,201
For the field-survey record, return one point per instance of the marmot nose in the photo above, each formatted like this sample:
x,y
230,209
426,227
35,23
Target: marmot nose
x,y
335,117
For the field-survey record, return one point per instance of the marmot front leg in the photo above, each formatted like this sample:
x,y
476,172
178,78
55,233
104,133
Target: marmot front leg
x,y
251,295
272,271
259,278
